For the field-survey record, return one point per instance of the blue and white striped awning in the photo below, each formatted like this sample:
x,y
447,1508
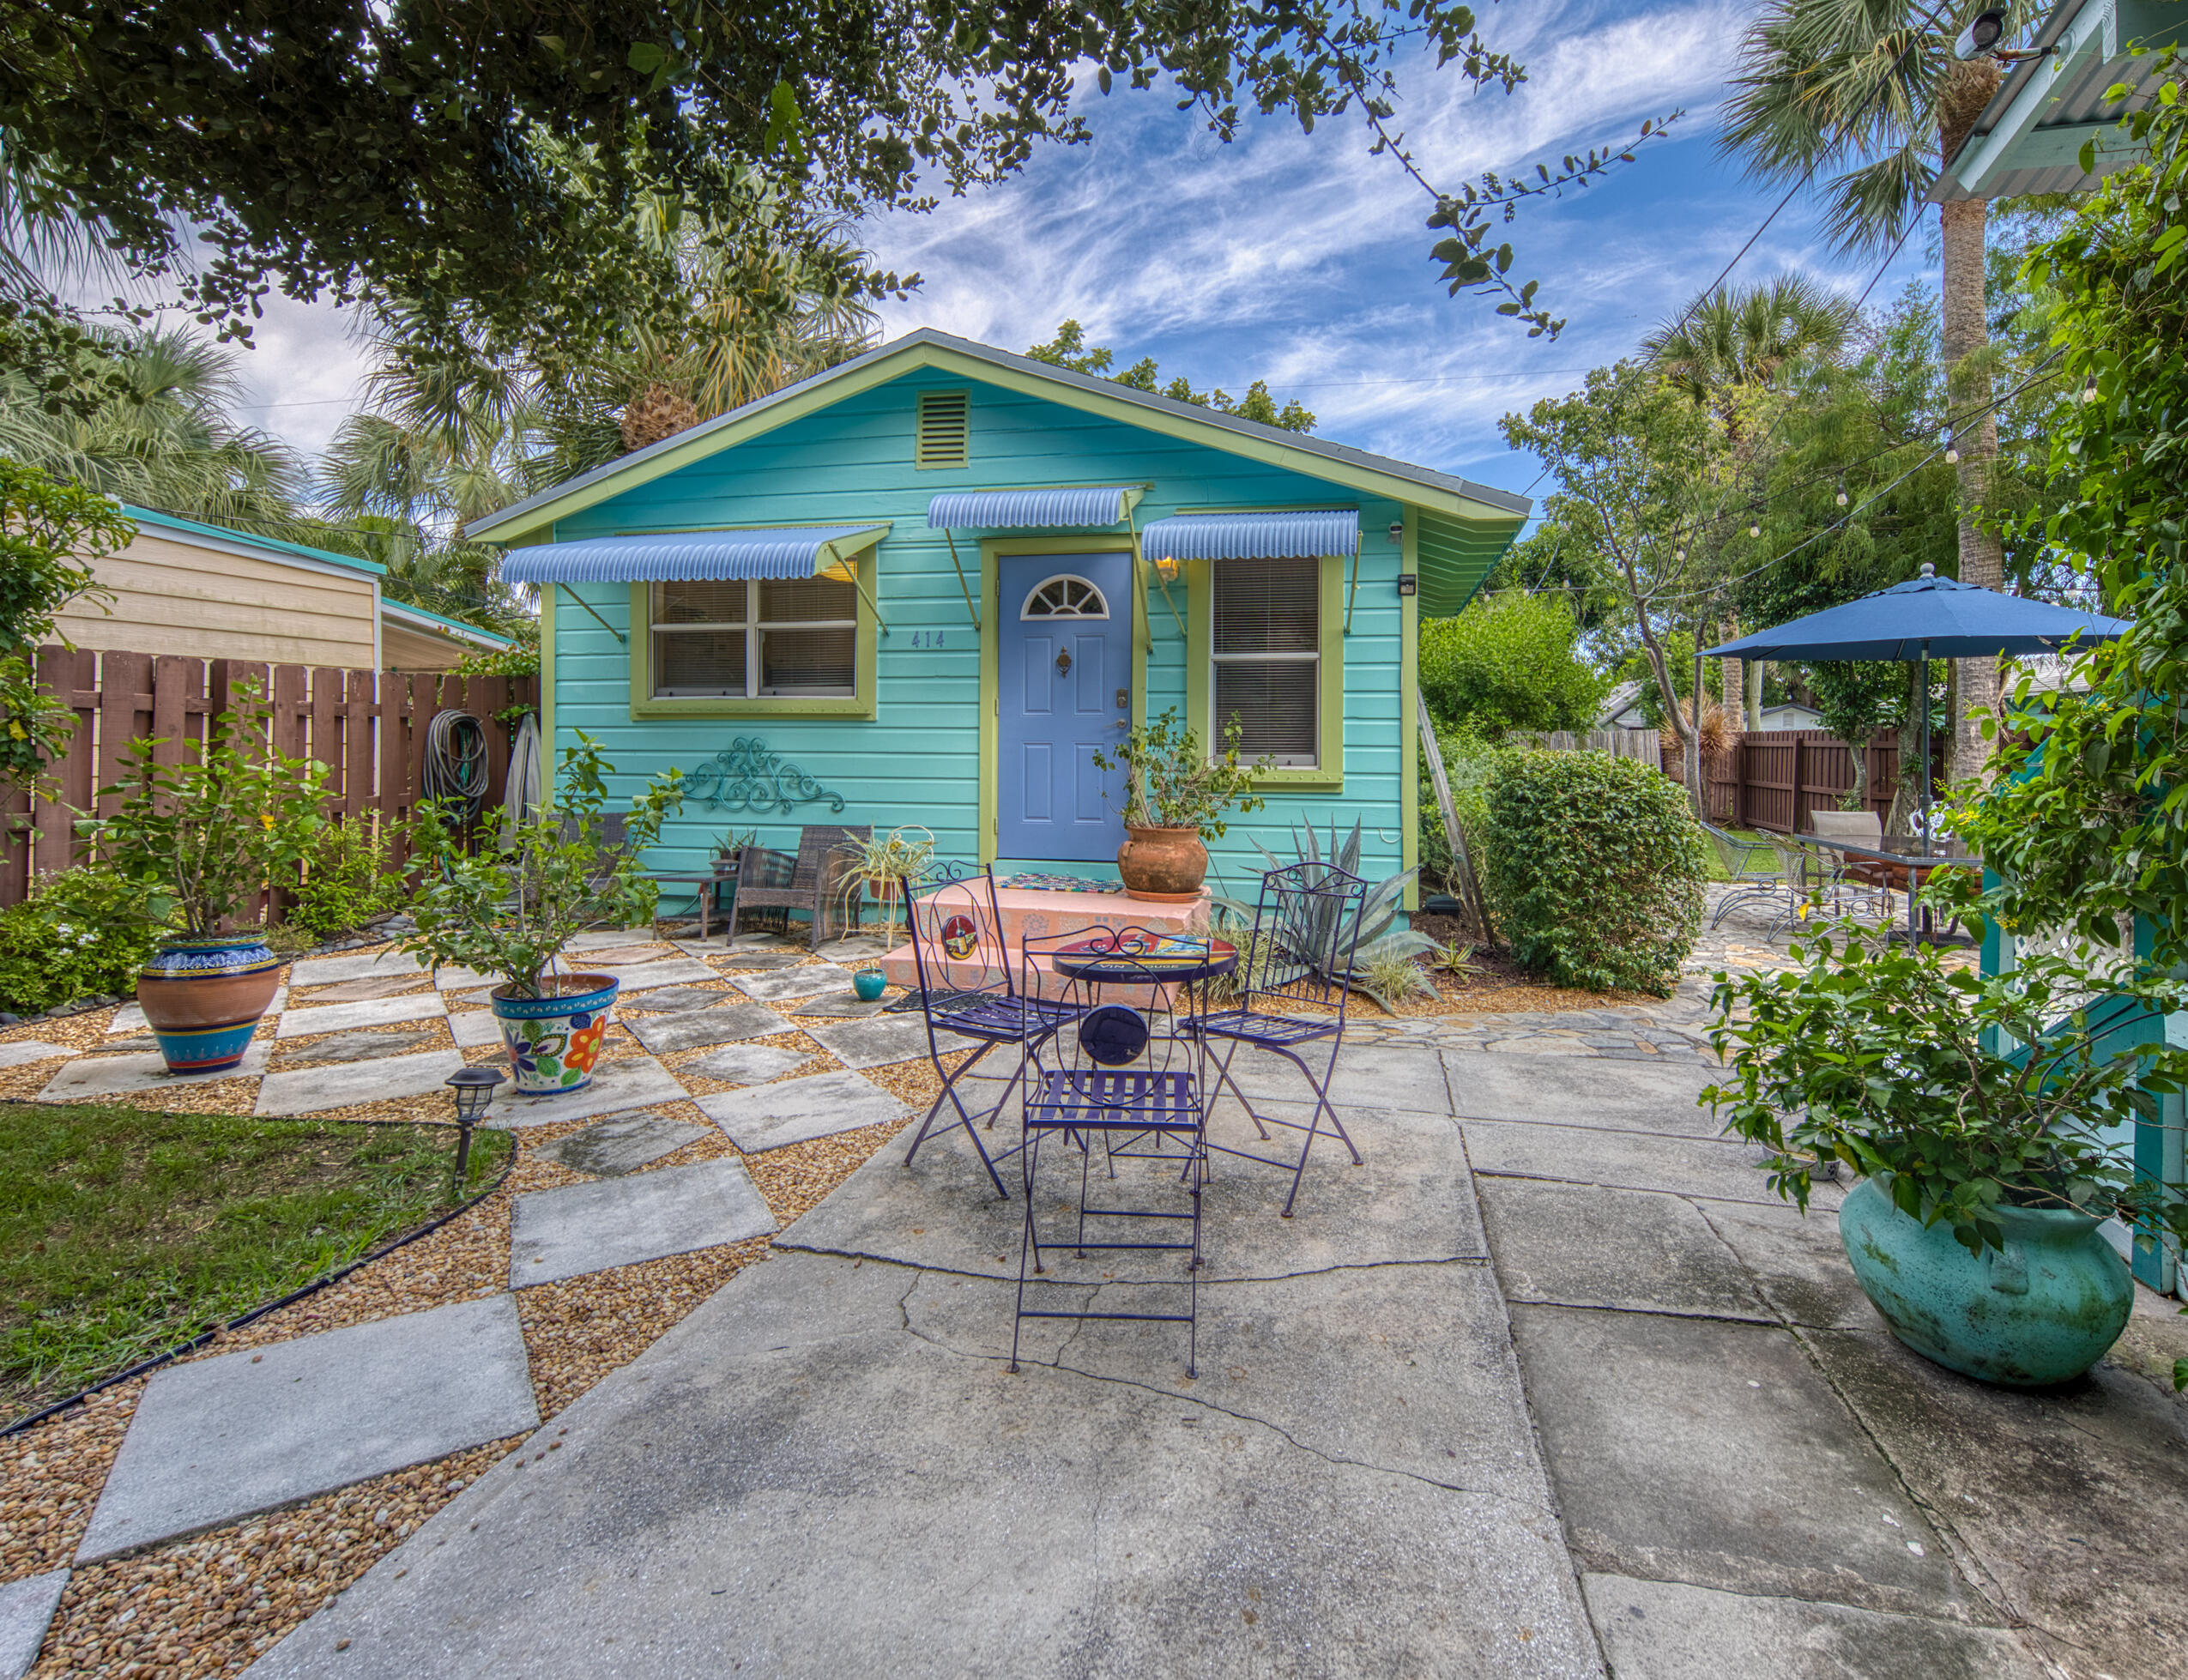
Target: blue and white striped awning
x,y
1252,536
1016,509
675,556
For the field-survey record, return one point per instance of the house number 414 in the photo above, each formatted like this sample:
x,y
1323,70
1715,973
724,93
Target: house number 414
x,y
926,638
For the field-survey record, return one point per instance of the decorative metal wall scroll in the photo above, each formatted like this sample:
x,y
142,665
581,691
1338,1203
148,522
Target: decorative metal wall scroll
x,y
745,776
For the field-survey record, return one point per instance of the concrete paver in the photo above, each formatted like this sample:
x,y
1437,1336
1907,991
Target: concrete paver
x,y
877,1043
694,1028
327,970
305,1090
1625,1160
301,1023
747,1064
26,1609
362,1046
1650,1096
92,1075
217,1438
24,1051
1580,1245
626,1082
579,1228
764,1117
806,981
622,1145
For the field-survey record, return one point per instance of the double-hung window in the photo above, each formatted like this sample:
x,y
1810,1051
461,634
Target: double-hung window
x,y
1266,648
789,636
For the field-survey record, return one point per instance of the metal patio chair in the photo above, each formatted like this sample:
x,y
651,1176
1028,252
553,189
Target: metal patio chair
x,y
965,987
818,878
1756,868
1306,928
1128,1076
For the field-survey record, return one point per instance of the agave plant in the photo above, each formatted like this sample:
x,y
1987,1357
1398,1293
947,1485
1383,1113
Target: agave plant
x,y
1379,941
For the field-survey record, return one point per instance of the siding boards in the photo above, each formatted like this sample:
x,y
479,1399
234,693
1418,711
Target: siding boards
x,y
917,760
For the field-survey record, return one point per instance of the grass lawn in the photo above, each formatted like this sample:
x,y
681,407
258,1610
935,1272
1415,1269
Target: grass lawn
x,y
123,1233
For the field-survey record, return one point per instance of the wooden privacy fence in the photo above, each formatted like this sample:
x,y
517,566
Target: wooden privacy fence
x,y
1773,779
368,728
1618,743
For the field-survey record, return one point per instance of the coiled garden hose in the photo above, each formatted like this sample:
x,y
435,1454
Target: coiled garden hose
x,y
454,773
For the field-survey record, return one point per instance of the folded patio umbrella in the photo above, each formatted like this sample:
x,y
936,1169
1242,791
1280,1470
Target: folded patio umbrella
x,y
1924,618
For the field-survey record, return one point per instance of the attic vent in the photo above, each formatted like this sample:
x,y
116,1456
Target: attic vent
x,y
941,439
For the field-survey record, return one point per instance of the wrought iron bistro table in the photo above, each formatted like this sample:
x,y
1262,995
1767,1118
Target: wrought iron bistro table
x,y
1132,955
1910,857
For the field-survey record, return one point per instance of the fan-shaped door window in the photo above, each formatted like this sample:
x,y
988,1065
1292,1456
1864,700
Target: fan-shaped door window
x,y
1064,596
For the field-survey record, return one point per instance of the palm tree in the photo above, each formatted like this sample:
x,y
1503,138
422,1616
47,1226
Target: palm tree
x,y
1743,338
158,430
1866,99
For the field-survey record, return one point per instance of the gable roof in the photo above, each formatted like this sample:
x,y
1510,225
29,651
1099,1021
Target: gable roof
x,y
270,548
1335,464
437,624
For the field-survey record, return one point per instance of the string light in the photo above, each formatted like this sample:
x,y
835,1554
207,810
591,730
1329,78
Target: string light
x,y
2089,389
1755,528
1952,449
1843,489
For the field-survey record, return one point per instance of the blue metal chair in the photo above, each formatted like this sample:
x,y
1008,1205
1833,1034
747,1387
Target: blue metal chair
x,y
966,987
1306,929
1125,1073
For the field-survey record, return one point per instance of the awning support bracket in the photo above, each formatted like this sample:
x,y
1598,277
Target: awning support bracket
x,y
851,568
597,620
1161,582
1354,594
950,539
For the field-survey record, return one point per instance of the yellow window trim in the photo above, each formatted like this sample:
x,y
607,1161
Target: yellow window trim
x,y
1327,775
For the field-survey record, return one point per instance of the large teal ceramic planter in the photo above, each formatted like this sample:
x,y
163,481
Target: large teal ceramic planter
x,y
2041,1310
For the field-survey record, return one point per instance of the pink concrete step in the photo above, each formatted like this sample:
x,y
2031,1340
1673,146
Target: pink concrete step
x,y
1039,912
984,969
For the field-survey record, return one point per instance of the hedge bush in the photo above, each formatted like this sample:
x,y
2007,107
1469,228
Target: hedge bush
x,y
1594,869
80,934
346,881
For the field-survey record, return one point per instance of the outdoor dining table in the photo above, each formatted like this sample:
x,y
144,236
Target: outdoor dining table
x,y
1136,957
1917,858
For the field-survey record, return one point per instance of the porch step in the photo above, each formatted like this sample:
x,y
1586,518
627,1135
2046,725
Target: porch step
x,y
1039,911
985,969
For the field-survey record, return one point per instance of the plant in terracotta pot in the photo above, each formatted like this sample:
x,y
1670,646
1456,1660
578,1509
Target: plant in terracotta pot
x,y
510,906
883,865
1987,1166
199,842
1176,797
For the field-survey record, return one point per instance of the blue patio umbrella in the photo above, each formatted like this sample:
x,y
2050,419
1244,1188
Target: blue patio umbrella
x,y
1925,619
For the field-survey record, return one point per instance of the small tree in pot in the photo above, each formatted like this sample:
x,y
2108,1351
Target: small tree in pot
x,y
509,906
1176,795
199,842
1988,1116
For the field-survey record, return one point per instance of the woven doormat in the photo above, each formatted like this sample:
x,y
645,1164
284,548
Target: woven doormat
x,y
1060,884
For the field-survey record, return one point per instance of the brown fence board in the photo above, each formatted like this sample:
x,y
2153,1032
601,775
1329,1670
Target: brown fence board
x,y
367,729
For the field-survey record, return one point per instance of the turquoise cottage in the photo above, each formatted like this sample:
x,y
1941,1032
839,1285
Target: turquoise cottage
x,y
932,580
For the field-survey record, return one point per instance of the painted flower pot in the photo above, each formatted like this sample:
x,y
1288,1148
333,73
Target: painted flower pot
x,y
1161,866
869,984
553,1042
2042,1309
204,998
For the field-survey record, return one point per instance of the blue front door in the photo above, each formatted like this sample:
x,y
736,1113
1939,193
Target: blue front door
x,y
1065,638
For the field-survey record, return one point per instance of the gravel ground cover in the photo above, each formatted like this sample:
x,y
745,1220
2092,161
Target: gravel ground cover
x,y
209,1605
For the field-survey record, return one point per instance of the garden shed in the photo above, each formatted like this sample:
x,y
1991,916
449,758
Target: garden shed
x,y
927,585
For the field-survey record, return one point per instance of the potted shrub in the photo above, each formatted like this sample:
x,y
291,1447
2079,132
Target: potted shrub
x,y
508,906
1175,799
199,842
1986,1167
884,865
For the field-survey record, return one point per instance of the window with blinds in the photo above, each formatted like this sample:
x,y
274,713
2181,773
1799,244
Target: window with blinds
x,y
791,636
1266,641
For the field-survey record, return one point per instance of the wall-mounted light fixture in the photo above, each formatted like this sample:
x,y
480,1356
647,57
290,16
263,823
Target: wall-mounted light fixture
x,y
1166,567
1408,584
1398,531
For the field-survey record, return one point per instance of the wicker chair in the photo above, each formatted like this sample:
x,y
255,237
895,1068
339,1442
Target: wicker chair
x,y
818,880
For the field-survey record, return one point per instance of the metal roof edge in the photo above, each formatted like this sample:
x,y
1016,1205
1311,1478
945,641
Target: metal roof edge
x,y
2056,22
279,548
404,609
1493,501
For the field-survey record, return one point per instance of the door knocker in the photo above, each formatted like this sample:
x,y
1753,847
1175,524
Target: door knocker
x,y
1063,662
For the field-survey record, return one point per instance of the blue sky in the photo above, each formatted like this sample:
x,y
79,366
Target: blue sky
x,y
1303,260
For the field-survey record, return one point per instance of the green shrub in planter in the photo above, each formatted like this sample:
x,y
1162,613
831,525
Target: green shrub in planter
x,y
1593,868
82,934
346,881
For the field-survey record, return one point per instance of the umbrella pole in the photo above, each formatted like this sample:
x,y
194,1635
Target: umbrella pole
x,y
1923,689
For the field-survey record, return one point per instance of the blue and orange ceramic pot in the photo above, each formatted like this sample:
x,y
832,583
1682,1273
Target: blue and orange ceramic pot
x,y
204,998
554,1041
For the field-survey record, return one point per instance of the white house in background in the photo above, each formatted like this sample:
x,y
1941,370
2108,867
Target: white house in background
x,y
206,592
1620,708
1792,715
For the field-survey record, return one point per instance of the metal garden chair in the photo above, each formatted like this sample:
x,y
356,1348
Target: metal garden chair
x,y
1756,868
1298,957
1129,1076
965,987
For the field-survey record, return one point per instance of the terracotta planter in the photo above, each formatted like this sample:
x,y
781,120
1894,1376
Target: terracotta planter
x,y
204,998
553,1042
1163,866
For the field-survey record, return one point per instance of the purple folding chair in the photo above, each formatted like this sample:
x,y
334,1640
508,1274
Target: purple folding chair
x,y
1127,1074
1306,928
966,987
